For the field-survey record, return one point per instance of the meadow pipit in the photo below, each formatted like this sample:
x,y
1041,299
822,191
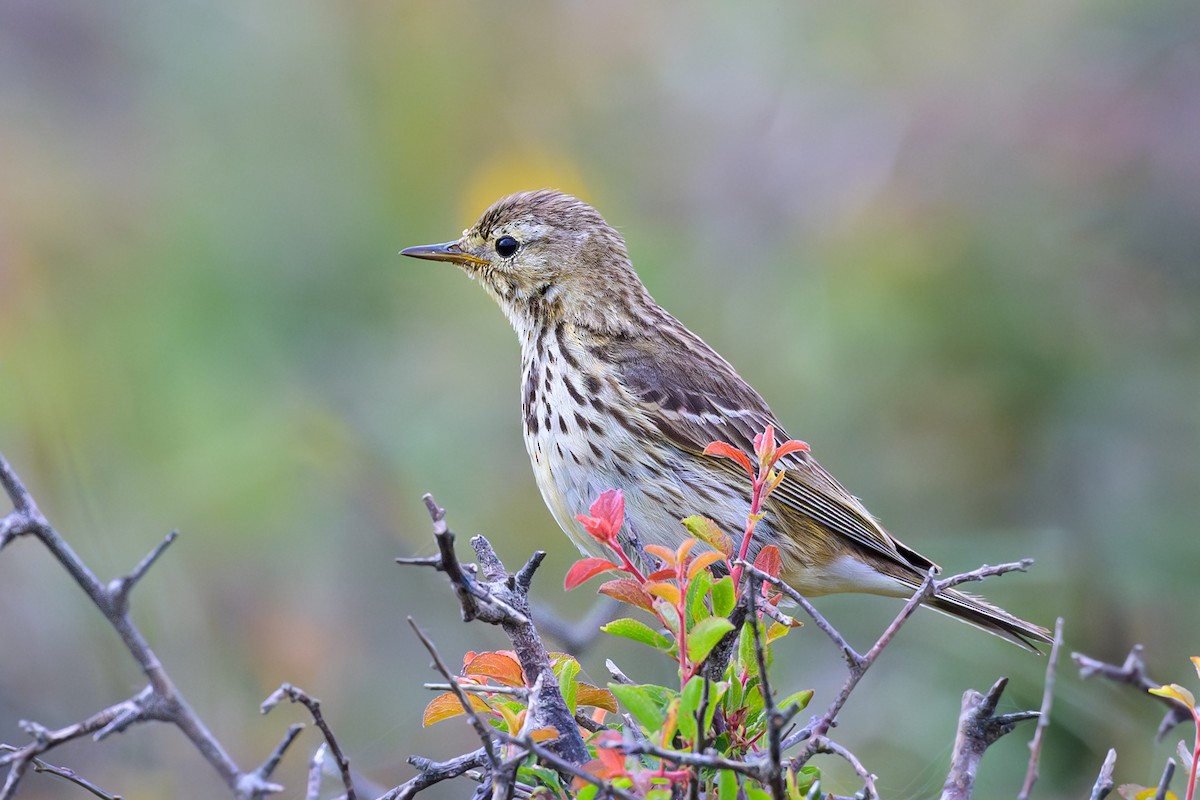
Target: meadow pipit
x,y
618,394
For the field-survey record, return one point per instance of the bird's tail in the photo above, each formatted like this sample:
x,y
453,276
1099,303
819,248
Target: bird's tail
x,y
985,616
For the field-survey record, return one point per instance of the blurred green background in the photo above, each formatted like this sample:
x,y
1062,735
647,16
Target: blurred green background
x,y
976,228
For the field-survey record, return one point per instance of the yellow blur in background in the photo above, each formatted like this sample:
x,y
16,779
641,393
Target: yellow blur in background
x,y
976,227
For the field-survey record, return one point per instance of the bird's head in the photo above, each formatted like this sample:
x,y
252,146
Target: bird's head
x,y
546,256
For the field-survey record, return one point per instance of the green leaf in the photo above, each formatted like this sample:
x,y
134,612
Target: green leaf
x,y
715,692
722,597
746,655
641,704
588,792
637,631
698,588
755,793
727,785
733,698
689,703
704,637
691,695
547,776
568,683
799,698
800,782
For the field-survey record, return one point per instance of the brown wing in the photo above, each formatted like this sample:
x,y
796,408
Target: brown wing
x,y
695,397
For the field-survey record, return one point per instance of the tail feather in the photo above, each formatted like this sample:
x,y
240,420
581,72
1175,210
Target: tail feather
x,y
985,616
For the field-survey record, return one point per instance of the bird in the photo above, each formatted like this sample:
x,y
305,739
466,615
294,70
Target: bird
x,y
616,393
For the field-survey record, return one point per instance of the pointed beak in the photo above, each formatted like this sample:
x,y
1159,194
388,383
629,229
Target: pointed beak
x,y
447,251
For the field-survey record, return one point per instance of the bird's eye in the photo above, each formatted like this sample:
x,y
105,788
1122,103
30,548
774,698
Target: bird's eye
x,y
506,246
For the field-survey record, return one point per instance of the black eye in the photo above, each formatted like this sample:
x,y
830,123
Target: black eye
x,y
506,246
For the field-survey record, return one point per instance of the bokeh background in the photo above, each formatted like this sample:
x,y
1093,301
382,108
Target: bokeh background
x,y
956,246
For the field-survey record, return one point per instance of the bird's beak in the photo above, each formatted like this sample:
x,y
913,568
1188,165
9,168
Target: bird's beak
x,y
447,251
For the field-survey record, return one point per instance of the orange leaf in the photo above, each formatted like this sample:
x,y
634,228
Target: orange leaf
x,y
501,668
665,553
543,734
588,695
726,450
627,590
666,573
768,561
685,547
445,706
703,561
667,591
586,568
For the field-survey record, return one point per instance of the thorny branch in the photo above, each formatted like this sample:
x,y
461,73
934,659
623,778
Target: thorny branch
x,y
298,695
159,701
1104,781
978,729
1133,673
1035,744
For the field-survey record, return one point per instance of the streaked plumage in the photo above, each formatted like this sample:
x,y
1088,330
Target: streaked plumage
x,y
617,393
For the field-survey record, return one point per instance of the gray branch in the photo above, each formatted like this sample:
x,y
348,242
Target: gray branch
x,y
502,599
1133,673
160,701
1039,733
978,729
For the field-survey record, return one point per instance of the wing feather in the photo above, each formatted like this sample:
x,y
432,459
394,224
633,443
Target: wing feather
x,y
695,401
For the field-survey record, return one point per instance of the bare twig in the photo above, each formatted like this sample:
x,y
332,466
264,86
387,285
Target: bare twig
x,y
298,695
316,765
857,663
1133,672
500,598
773,767
474,688
858,666
431,772
1104,781
482,729
1164,783
576,637
552,759
616,673
163,701
978,728
159,701
681,758
263,773
826,745
66,774
1035,744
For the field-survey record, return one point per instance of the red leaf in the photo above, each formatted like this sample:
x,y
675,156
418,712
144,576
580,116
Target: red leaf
x,y
501,668
627,590
791,446
607,516
612,759
768,561
764,445
726,450
586,568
